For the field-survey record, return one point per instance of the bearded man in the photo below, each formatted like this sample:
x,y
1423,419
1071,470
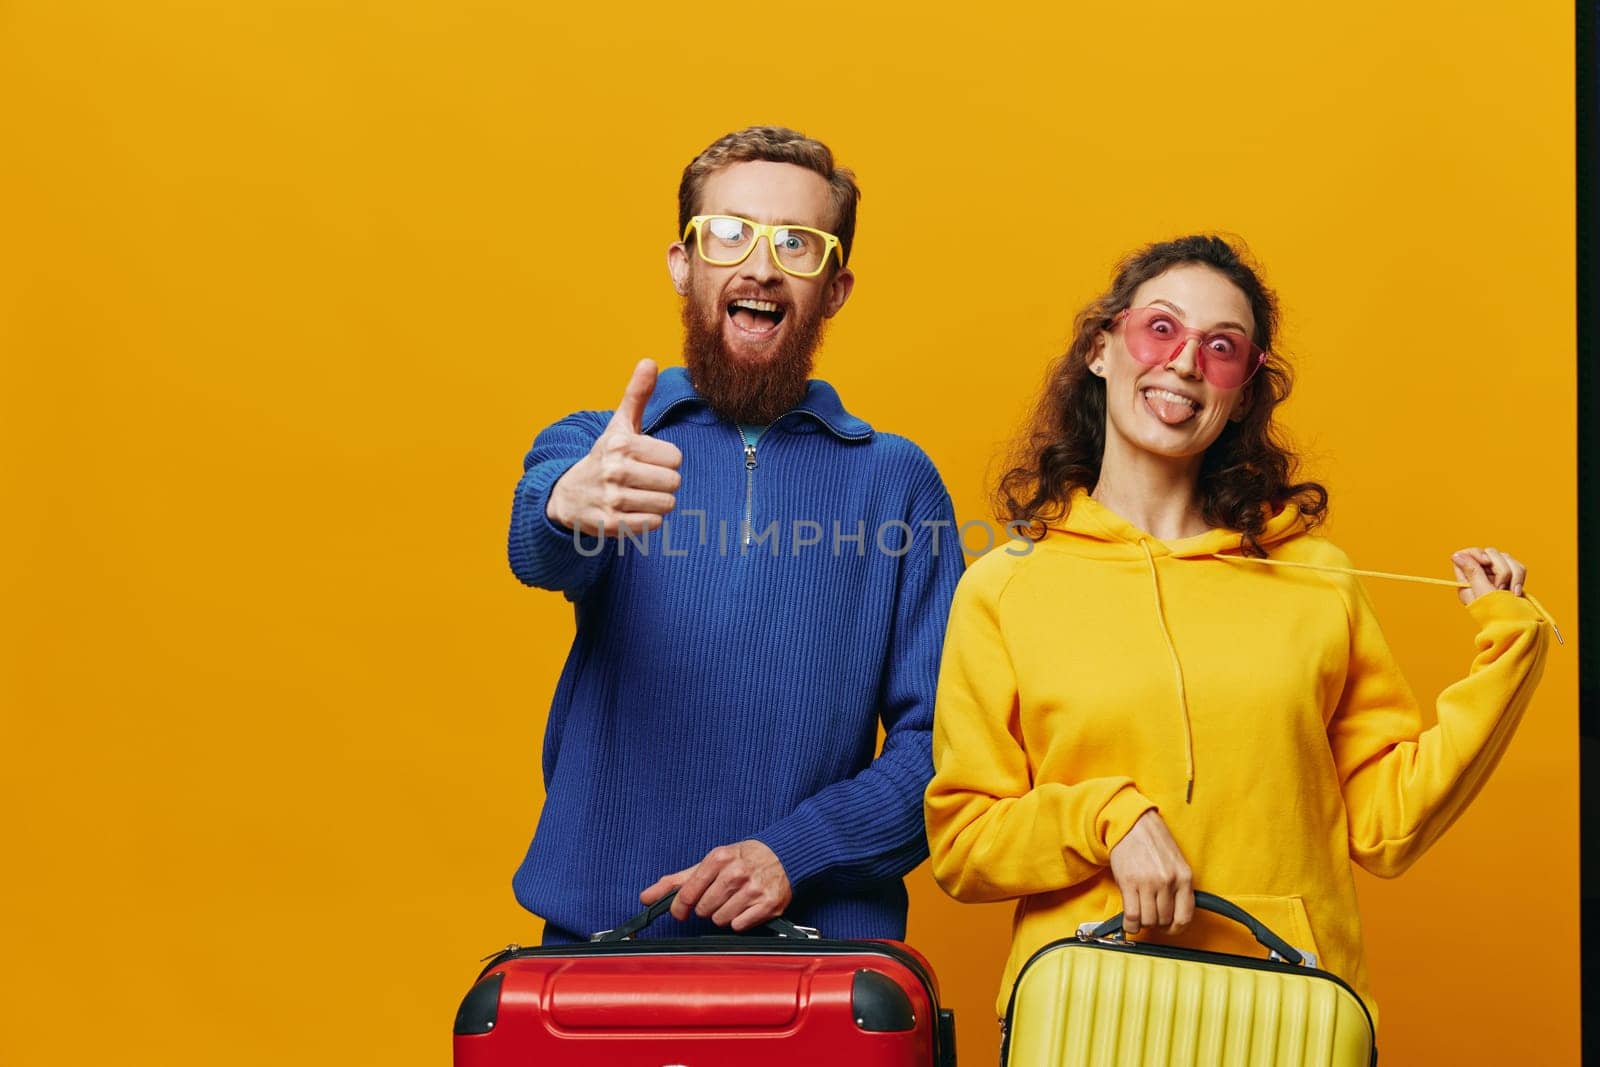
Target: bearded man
x,y
760,579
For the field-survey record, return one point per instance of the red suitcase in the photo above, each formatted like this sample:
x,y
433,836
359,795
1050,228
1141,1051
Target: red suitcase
x,y
791,998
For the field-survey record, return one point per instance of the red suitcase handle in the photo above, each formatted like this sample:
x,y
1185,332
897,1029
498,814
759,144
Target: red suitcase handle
x,y
779,927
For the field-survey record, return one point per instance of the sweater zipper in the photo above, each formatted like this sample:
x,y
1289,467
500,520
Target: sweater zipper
x,y
749,487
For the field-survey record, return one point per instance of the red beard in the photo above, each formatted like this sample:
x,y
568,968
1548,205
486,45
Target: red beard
x,y
748,391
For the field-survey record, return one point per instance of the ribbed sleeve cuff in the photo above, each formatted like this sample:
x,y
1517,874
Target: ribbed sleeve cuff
x,y
1118,817
801,846
536,485
1502,606
541,552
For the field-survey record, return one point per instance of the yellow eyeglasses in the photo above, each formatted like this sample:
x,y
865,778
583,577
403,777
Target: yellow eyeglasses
x,y
726,240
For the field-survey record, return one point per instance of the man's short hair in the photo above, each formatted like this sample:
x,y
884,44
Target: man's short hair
x,y
774,144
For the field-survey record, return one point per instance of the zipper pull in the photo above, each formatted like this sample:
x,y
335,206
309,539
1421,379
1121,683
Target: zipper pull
x,y
513,947
749,457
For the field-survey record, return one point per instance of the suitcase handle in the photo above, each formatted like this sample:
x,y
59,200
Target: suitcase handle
x,y
1277,947
779,926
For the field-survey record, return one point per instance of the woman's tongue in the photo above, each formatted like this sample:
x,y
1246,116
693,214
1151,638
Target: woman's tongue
x,y
1169,411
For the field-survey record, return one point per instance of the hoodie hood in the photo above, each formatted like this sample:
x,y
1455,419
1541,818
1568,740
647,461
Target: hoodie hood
x,y
1091,529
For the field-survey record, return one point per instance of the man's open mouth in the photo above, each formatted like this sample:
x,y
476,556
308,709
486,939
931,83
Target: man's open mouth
x,y
755,316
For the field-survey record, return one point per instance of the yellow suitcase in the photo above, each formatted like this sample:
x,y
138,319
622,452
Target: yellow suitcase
x,y
1099,1000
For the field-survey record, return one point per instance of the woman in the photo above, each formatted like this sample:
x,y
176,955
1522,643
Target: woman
x,y
1179,685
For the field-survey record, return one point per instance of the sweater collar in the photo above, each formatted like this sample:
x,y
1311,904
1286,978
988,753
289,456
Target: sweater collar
x,y
674,395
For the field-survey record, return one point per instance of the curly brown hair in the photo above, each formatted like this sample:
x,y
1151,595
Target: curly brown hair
x,y
1245,476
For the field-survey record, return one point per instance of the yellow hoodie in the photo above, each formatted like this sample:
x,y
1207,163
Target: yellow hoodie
x,y
1106,673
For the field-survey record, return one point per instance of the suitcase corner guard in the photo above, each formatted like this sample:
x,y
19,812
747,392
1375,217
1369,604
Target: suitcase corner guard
x,y
480,1008
879,1004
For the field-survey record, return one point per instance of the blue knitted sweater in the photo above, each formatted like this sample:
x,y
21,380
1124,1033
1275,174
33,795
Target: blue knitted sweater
x,y
730,670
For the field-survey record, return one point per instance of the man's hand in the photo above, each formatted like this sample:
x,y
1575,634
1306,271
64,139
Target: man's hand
x,y
1157,886
740,885
628,479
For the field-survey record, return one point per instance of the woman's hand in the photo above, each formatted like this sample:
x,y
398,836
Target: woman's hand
x,y
1157,886
1485,570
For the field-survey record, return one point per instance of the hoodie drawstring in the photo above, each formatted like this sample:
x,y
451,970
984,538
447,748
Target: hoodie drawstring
x,y
1529,597
1177,673
1177,665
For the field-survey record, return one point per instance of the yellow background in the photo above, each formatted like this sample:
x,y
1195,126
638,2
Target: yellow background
x,y
286,289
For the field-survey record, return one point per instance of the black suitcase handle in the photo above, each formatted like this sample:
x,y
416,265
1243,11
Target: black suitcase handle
x,y
1277,946
779,927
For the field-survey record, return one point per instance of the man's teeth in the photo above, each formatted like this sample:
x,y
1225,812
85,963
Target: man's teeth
x,y
1163,394
758,305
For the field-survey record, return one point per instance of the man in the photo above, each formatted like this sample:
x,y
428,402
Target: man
x,y
759,577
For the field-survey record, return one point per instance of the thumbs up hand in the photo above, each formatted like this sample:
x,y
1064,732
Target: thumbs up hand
x,y
628,478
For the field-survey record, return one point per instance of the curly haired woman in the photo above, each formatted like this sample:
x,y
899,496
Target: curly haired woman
x,y
1181,685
